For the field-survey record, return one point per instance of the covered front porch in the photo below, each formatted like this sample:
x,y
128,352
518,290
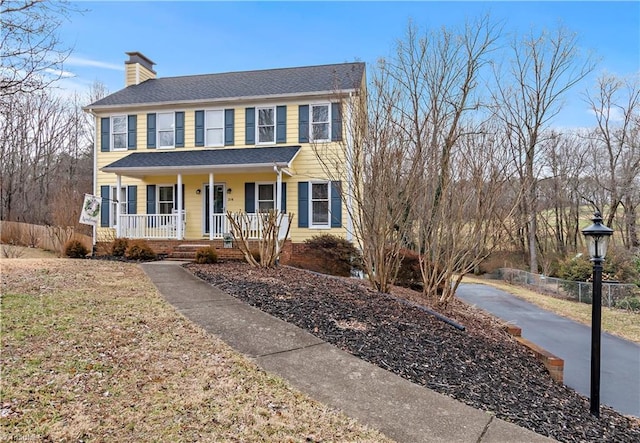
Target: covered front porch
x,y
187,194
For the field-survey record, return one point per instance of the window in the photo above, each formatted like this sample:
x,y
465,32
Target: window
x,y
266,194
320,118
166,126
119,132
266,125
320,204
115,201
214,128
165,199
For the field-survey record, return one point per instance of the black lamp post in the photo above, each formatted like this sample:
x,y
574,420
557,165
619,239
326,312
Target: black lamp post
x,y
597,240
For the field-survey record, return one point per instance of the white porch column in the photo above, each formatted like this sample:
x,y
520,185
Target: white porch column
x,y
211,211
179,232
118,210
279,191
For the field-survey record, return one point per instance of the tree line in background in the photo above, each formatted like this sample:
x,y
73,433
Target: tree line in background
x,y
456,155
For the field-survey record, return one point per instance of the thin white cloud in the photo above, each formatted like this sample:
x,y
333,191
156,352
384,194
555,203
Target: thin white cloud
x,y
60,73
81,61
615,114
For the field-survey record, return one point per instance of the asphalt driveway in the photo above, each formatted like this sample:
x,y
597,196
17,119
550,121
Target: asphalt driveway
x,y
571,341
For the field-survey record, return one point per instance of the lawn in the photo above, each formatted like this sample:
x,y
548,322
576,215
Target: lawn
x,y
624,324
91,352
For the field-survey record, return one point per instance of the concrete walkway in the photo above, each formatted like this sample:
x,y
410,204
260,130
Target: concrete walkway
x,y
571,341
398,408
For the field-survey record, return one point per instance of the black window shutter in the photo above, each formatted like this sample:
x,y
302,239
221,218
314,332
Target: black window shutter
x,y
132,199
132,123
281,124
249,198
336,204
229,117
151,199
199,141
303,124
179,119
250,126
151,131
303,204
105,134
104,206
336,122
283,201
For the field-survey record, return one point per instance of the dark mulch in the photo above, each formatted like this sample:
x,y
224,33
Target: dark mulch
x,y
481,366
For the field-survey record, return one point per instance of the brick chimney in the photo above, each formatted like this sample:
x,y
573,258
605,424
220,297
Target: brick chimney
x,y
137,69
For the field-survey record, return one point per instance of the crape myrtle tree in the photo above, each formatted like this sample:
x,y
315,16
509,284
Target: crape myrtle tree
x,y
615,148
376,166
528,94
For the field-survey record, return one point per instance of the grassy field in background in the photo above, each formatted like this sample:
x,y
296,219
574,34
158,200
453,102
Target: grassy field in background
x,y
618,322
91,352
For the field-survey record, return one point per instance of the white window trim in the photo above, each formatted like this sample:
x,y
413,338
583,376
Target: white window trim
x,y
206,141
112,204
173,126
257,195
126,133
165,185
275,125
329,107
316,226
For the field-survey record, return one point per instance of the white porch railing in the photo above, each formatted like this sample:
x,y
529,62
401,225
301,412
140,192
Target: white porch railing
x,y
253,230
164,226
152,226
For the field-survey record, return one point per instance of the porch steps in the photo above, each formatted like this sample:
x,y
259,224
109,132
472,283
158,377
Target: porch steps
x,y
187,251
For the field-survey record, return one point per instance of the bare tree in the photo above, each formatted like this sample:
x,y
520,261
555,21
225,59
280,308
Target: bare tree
x,y
527,97
616,106
375,165
32,54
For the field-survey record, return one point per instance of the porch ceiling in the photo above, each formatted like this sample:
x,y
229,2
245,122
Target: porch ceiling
x,y
216,160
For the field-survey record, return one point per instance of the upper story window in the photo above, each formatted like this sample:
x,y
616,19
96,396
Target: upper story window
x,y
166,130
214,127
119,132
320,122
266,127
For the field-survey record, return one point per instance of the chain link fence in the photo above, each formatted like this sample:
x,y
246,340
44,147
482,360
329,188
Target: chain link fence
x,y
614,295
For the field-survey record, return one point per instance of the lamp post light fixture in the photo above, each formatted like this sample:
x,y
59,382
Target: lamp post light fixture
x,y
597,241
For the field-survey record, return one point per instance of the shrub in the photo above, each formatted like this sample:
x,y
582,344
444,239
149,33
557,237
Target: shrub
x,y
409,274
119,247
631,303
75,249
330,254
139,250
206,255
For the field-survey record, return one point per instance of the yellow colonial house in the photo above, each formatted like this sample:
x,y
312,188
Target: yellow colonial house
x,y
174,154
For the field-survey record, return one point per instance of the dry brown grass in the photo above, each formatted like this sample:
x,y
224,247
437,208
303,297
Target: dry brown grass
x,y
624,324
16,251
90,352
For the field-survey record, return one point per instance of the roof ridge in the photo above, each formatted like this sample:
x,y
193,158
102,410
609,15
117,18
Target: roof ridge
x,y
260,70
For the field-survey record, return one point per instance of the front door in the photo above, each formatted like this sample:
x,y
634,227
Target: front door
x,y
218,208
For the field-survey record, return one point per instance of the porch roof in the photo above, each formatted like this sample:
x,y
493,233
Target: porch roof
x,y
183,161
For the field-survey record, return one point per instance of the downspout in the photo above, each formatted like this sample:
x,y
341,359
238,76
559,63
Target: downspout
x,y
349,160
278,208
179,232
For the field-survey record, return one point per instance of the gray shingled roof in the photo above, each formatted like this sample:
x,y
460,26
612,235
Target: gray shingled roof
x,y
206,158
309,79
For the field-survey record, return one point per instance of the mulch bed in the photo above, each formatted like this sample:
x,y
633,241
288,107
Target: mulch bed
x,y
481,366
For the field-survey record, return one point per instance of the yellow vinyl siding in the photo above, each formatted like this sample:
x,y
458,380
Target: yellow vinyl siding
x,y
305,167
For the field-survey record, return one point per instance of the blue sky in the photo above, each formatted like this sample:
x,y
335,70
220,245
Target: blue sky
x,y
200,37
